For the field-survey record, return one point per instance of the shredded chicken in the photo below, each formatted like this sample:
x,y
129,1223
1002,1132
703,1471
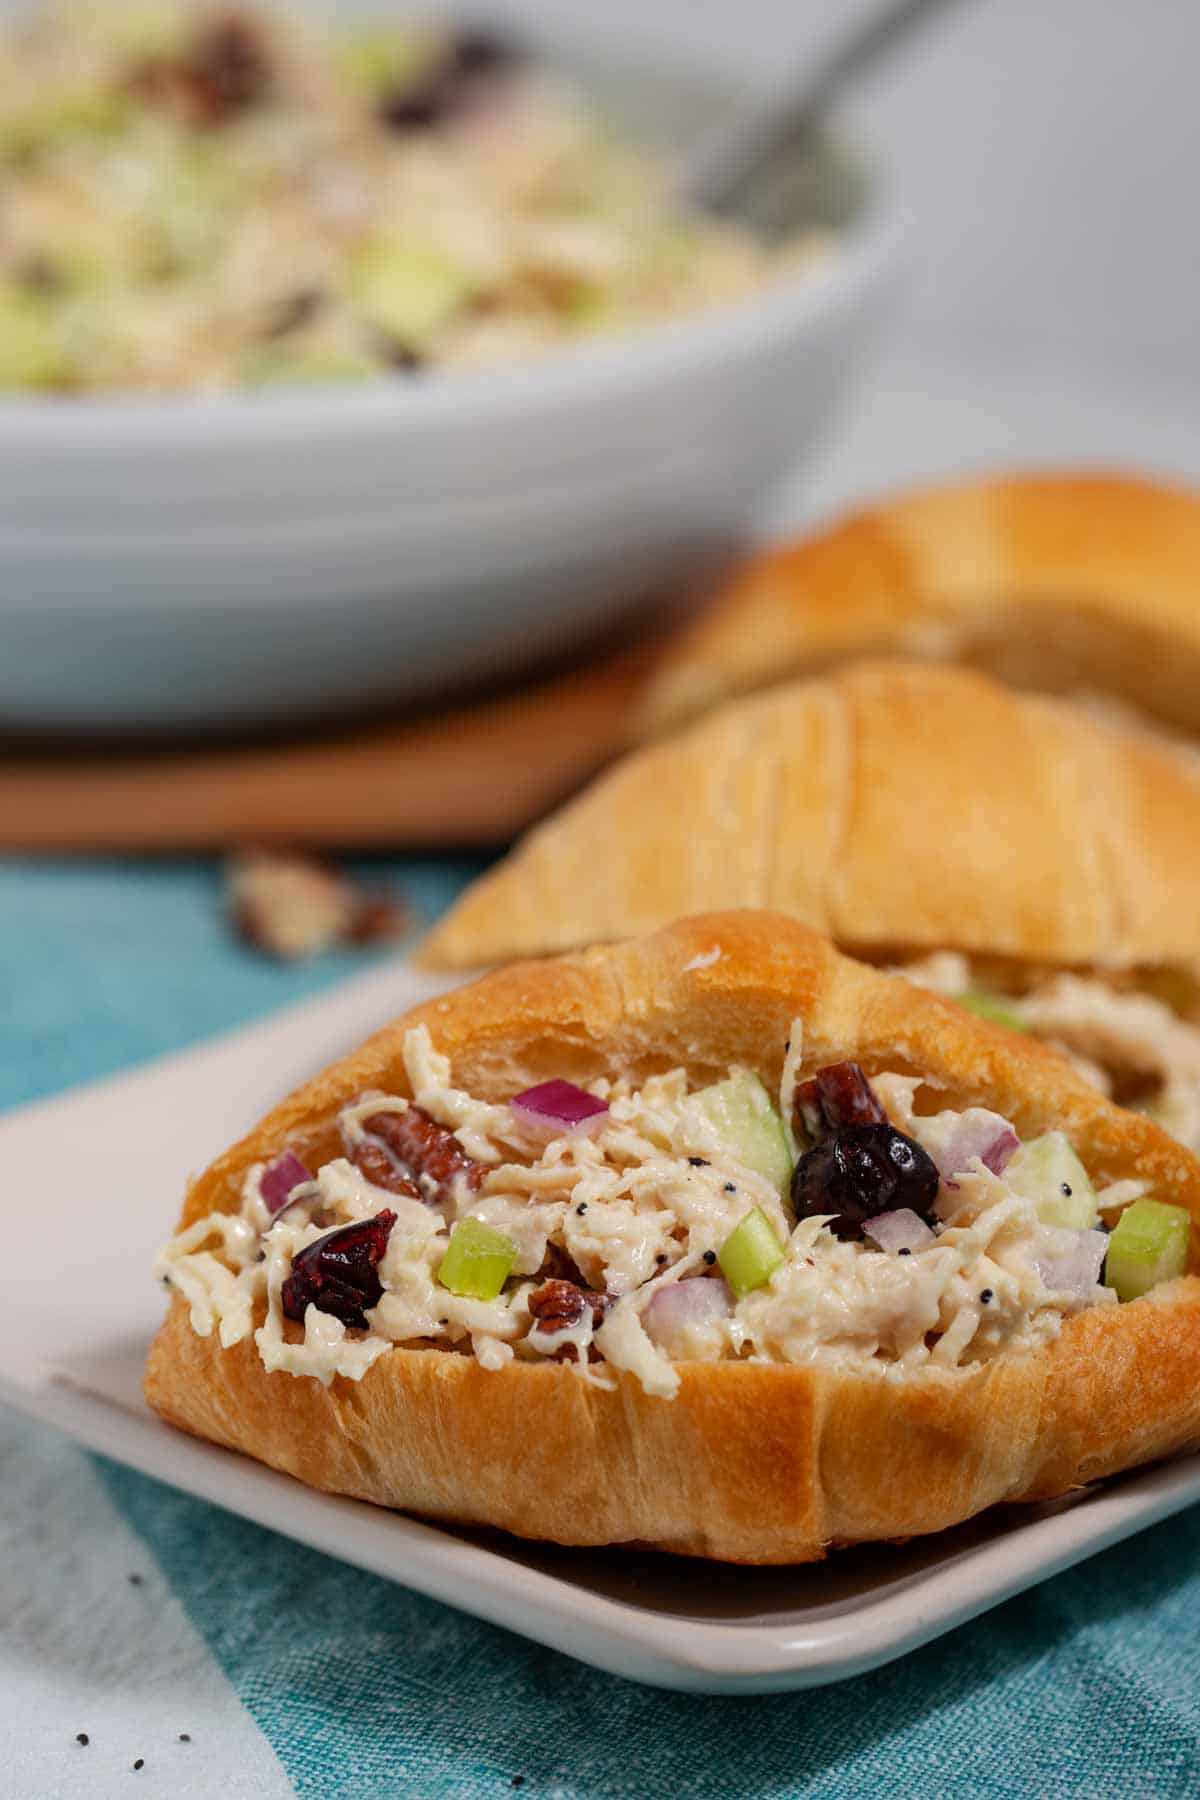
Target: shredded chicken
x,y
1109,1034
644,1203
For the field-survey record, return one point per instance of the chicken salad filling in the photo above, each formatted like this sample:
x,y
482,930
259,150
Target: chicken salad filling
x,y
632,1227
1135,1043
203,196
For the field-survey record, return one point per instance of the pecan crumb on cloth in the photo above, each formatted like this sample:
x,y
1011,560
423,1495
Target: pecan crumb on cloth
x,y
292,906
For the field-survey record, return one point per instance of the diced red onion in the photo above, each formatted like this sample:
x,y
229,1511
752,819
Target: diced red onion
x,y
555,1107
978,1133
681,1306
1072,1265
899,1230
280,1179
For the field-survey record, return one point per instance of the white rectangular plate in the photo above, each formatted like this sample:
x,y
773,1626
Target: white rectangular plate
x,y
105,1167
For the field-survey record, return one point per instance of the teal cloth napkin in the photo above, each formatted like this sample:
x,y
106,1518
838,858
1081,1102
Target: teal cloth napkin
x,y
1088,1686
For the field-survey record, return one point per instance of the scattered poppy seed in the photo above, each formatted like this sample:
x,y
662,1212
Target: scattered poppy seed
x,y
581,1208
1066,1188
140,1763
698,1162
136,1580
81,1737
986,1297
185,1737
660,1259
904,1252
731,1187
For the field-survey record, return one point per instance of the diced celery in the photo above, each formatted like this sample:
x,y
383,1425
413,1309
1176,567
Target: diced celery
x,y
750,1254
378,57
188,208
31,355
750,1126
406,292
146,28
986,1005
478,1262
587,306
276,366
1149,1244
38,126
1047,1171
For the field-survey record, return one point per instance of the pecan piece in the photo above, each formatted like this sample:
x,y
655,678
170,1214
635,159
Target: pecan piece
x,y
288,906
432,1155
224,71
372,1160
560,1306
557,1265
293,906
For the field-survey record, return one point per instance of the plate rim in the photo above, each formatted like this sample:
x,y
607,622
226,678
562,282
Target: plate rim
x,y
670,1650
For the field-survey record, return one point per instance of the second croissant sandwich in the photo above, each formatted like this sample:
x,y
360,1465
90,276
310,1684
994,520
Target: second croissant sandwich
x,y
1010,851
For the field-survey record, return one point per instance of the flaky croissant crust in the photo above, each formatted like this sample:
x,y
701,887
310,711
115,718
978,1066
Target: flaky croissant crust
x,y
898,807
1057,580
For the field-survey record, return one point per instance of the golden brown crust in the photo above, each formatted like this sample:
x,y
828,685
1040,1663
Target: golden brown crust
x,y
1052,581
751,1462
895,806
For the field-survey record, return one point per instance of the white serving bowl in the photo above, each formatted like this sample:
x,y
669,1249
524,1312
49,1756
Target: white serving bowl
x,y
251,561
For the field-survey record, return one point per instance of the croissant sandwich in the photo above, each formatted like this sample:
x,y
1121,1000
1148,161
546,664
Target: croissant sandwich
x,y
1054,581
1009,850
715,1241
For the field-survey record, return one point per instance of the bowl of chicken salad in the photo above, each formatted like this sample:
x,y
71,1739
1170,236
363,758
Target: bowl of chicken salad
x,y
343,364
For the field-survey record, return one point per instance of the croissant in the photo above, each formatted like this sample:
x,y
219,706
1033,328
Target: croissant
x,y
899,807
1059,582
793,1425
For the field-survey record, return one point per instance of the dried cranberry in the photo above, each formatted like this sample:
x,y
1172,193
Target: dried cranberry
x,y
420,107
467,68
860,1171
403,358
477,51
339,1273
836,1097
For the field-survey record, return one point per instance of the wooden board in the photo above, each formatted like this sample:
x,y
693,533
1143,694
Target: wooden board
x,y
472,776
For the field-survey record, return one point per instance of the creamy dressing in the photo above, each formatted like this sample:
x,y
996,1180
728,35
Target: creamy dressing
x,y
644,1202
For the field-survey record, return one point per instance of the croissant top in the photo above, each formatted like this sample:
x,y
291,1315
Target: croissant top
x,y
899,807
1057,582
